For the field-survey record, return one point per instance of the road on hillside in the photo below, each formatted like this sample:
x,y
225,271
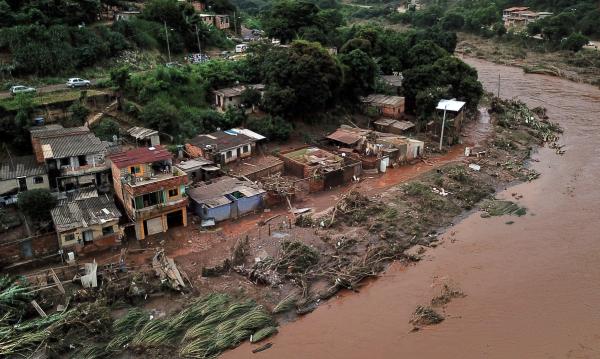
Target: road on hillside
x,y
47,89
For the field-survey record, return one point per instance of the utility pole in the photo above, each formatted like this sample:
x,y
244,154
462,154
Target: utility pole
x,y
443,125
234,22
498,84
198,39
167,35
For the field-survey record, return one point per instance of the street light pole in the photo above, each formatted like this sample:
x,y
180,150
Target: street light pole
x,y
443,125
198,39
167,35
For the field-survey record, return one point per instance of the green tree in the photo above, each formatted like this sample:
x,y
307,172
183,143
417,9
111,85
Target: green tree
x,y
79,113
36,204
307,73
452,21
359,73
425,52
286,18
161,115
106,129
273,128
119,77
574,42
250,98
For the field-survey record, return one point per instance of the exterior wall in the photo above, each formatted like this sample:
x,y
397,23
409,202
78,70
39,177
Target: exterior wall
x,y
223,102
220,213
139,224
220,157
234,153
248,204
77,243
39,246
276,168
222,21
13,184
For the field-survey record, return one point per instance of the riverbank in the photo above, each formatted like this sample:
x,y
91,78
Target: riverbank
x,y
529,285
583,66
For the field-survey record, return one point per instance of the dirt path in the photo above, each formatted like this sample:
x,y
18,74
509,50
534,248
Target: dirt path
x,y
45,89
530,285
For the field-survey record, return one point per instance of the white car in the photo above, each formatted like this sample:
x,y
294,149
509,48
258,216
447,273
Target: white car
x,y
21,89
77,82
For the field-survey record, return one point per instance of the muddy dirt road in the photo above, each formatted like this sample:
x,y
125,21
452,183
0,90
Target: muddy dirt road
x,y
532,287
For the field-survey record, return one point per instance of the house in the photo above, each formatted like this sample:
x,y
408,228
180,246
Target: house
x,y
394,81
389,125
521,16
453,111
144,137
232,96
198,5
221,22
19,174
256,167
376,149
125,15
87,224
150,189
199,169
74,156
225,198
320,168
221,147
385,105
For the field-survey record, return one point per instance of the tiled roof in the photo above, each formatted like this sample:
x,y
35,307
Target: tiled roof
x,y
76,144
84,213
56,130
221,140
25,166
140,155
237,90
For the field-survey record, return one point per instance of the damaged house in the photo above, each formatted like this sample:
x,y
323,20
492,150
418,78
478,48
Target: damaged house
x,y
87,223
74,156
232,96
20,174
450,113
225,198
384,105
376,149
221,147
144,137
322,169
151,190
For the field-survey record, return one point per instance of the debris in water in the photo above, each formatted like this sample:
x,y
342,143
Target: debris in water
x,y
446,296
501,207
425,316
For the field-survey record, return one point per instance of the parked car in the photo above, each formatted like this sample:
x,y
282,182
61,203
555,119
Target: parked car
x,y
21,89
77,82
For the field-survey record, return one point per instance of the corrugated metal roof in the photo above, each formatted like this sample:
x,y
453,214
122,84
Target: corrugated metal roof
x,y
56,130
140,155
192,164
345,137
380,99
221,140
249,133
450,105
141,132
72,145
393,80
237,90
24,166
84,213
214,192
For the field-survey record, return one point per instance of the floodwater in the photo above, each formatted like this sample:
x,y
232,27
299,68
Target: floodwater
x,y
532,287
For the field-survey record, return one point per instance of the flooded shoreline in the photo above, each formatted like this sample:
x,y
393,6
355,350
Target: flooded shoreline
x,y
531,286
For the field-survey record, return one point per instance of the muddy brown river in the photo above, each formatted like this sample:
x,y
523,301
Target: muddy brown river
x,y
532,287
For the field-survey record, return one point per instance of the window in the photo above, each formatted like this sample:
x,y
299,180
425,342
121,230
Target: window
x,y
69,237
107,230
246,149
173,192
134,169
149,199
82,160
65,161
229,154
38,179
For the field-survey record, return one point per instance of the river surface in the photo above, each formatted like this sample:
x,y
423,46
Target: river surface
x,y
532,287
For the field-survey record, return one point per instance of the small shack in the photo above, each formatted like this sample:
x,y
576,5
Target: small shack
x,y
453,111
225,198
144,137
385,105
390,125
199,169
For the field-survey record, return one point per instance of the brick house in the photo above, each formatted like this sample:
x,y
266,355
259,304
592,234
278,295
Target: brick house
x,y
151,190
87,224
386,106
221,22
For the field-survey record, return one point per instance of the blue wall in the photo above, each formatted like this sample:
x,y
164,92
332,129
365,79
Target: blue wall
x,y
237,208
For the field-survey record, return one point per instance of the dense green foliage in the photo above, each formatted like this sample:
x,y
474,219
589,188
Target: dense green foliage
x,y
572,21
37,203
47,37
